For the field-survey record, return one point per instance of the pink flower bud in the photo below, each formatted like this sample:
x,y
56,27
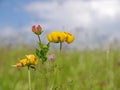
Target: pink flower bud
x,y
37,30
33,28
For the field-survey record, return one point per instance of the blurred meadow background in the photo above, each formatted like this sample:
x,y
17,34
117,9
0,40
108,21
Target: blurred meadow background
x,y
91,62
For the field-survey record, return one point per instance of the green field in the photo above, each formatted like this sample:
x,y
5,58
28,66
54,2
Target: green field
x,y
73,70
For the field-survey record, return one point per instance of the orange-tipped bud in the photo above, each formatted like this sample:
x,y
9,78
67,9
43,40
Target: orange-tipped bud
x,y
37,30
34,28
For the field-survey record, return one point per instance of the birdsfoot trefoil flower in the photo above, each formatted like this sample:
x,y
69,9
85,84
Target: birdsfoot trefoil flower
x,y
60,37
28,61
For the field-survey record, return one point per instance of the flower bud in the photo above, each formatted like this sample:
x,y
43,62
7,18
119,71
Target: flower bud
x,y
37,30
33,28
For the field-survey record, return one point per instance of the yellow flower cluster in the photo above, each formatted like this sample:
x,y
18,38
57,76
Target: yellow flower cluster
x,y
32,59
58,36
29,60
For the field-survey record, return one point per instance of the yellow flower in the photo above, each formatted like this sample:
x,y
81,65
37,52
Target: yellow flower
x,y
69,37
32,59
49,37
29,60
23,62
56,37
62,37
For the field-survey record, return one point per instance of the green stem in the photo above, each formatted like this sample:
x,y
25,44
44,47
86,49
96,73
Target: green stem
x,y
39,38
29,79
60,46
43,77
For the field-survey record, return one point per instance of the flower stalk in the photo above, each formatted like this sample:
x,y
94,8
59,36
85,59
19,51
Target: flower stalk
x,y
29,79
60,46
39,39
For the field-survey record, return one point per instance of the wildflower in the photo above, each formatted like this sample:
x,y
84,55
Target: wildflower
x,y
37,30
51,57
32,59
22,63
69,37
60,37
49,37
56,37
28,61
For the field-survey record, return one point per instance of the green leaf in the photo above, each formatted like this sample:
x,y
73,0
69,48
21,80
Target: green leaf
x,y
40,45
38,52
42,52
44,59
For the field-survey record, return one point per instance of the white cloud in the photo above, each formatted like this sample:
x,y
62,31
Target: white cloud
x,y
106,9
74,12
70,12
7,31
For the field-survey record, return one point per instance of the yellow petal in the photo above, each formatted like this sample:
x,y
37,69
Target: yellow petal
x,y
17,65
62,37
69,37
23,62
49,38
32,59
55,37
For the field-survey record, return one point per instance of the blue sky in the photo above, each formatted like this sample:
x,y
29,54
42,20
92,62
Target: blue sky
x,y
12,13
98,19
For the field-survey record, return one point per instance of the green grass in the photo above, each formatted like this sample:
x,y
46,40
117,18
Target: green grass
x,y
75,70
